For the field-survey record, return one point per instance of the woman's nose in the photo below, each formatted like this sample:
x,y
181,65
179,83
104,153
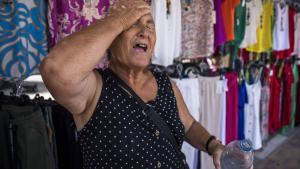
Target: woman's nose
x,y
144,32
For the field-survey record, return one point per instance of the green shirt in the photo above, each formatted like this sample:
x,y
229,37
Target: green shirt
x,y
240,22
239,26
294,92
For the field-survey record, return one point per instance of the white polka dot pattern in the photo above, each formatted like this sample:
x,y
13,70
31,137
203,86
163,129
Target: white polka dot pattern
x,y
119,135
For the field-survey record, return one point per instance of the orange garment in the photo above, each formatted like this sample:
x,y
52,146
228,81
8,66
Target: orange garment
x,y
228,7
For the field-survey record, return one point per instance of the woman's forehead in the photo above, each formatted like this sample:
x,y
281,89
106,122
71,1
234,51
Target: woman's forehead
x,y
147,17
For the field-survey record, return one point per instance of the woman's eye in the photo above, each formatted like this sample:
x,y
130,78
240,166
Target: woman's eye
x,y
135,24
151,26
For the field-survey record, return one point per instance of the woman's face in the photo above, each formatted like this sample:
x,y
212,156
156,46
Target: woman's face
x,y
133,48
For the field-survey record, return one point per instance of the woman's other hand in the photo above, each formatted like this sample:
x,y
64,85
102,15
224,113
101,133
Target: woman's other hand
x,y
127,12
217,152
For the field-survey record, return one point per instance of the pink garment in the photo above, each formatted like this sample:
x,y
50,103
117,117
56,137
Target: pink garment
x,y
68,16
232,110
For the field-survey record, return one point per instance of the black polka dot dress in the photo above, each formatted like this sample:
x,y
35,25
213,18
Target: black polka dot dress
x,y
119,135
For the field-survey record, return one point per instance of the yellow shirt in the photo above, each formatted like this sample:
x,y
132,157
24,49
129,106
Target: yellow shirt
x,y
264,31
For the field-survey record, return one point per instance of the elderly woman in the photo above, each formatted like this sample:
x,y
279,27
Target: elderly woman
x,y
114,131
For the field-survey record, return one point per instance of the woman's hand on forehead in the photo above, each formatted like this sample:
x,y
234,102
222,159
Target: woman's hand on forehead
x,y
127,12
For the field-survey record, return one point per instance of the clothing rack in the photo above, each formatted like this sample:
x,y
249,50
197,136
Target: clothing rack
x,y
24,99
29,90
53,126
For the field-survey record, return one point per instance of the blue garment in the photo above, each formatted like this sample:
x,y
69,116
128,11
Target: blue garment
x,y
23,37
243,99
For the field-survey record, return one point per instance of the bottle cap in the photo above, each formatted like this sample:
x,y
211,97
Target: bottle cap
x,y
245,145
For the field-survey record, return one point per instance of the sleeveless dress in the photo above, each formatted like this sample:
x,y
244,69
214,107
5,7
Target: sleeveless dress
x,y
119,135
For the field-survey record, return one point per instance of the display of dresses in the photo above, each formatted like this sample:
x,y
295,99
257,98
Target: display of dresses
x,y
198,30
219,32
230,108
281,29
168,31
23,38
67,17
254,10
263,33
189,88
252,118
212,105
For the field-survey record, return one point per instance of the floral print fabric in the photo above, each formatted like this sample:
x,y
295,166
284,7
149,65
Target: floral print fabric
x,y
198,29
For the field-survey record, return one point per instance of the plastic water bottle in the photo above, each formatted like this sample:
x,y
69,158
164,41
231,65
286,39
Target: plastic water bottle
x,y
237,155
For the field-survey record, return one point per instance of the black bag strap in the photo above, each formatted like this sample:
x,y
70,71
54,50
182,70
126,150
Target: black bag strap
x,y
149,111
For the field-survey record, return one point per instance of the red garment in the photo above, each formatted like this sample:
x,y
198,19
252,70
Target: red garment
x,y
287,53
274,105
232,99
297,118
244,54
288,80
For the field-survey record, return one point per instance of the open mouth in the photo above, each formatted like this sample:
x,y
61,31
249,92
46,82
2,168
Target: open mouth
x,y
142,46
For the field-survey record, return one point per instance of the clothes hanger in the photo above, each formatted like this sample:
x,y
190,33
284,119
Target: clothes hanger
x,y
179,69
203,66
18,90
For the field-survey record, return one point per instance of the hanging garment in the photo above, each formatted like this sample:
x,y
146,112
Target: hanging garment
x,y
240,22
264,106
294,95
47,115
297,117
297,35
67,17
292,27
281,28
212,95
252,120
223,83
264,111
197,29
253,13
219,32
68,148
30,137
168,31
23,42
232,107
228,7
274,106
288,52
264,31
288,80
281,103
243,99
189,89
7,160
239,28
